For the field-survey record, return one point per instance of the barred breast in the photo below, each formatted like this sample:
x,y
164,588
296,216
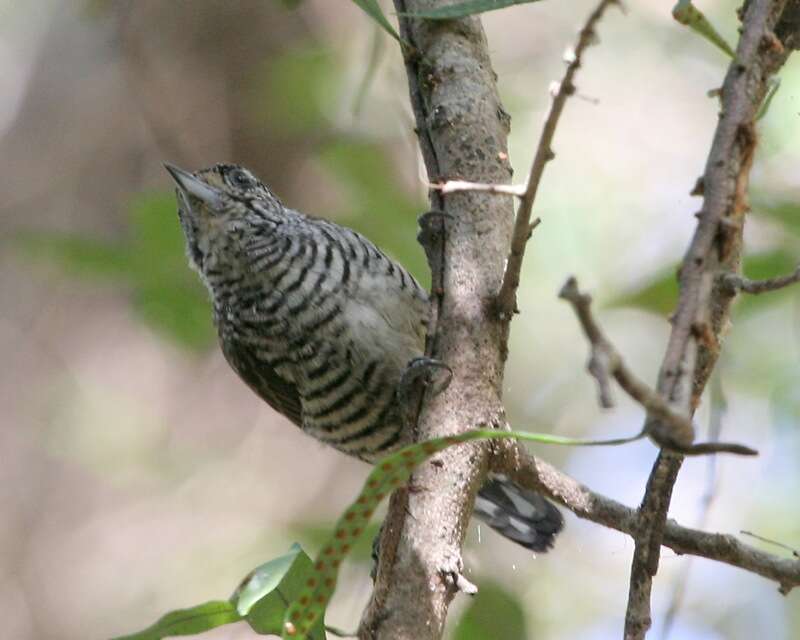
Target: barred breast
x,y
322,325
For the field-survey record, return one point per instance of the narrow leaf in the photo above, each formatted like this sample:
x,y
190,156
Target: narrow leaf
x,y
306,611
773,84
689,15
464,9
187,622
373,10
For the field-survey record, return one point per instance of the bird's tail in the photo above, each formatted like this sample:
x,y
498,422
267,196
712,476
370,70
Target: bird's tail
x,y
517,513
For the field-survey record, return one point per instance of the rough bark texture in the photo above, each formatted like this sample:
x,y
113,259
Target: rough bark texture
x,y
700,321
463,131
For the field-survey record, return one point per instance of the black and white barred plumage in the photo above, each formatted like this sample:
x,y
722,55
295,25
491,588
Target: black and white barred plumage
x,y
321,324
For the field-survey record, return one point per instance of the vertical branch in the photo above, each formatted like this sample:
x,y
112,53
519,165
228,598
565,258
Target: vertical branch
x,y
462,129
704,305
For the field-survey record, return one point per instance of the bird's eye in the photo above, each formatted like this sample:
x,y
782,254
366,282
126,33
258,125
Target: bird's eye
x,y
241,179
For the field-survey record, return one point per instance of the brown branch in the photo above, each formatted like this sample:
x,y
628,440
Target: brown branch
x,y
735,283
462,129
606,362
537,475
703,306
719,406
506,298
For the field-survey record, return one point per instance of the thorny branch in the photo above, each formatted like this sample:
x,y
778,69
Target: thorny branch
x,y
693,348
606,362
703,306
462,130
734,283
506,303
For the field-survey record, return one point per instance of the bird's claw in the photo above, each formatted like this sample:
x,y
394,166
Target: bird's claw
x,y
425,369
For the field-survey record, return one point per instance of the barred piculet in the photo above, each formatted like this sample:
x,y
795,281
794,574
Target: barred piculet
x,y
321,324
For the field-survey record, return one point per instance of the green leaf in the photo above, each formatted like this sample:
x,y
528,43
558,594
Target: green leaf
x,y
373,10
187,622
492,613
266,578
464,9
265,594
689,15
773,85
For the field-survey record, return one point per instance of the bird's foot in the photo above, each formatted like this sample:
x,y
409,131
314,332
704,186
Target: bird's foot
x,y
433,373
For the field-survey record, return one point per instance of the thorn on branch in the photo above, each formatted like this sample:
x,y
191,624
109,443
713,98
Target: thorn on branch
x,y
733,283
668,429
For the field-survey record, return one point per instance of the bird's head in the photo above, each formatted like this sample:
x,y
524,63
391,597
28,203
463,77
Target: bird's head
x,y
223,210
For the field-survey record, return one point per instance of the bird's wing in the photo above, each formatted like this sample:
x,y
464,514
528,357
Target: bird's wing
x,y
281,394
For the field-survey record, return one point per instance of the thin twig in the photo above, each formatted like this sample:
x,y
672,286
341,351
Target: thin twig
x,y
703,309
536,474
735,283
794,551
506,297
606,362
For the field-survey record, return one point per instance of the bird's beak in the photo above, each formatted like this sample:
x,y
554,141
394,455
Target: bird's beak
x,y
195,187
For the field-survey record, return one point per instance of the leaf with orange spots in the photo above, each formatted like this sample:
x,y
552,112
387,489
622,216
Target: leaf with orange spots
x,y
305,612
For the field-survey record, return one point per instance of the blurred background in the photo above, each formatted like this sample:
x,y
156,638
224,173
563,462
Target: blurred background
x,y
138,474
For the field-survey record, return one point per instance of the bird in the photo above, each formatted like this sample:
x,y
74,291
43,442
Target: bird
x,y
322,325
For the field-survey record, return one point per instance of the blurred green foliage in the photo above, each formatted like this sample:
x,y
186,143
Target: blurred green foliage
x,y
292,94
660,294
151,264
465,8
493,613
